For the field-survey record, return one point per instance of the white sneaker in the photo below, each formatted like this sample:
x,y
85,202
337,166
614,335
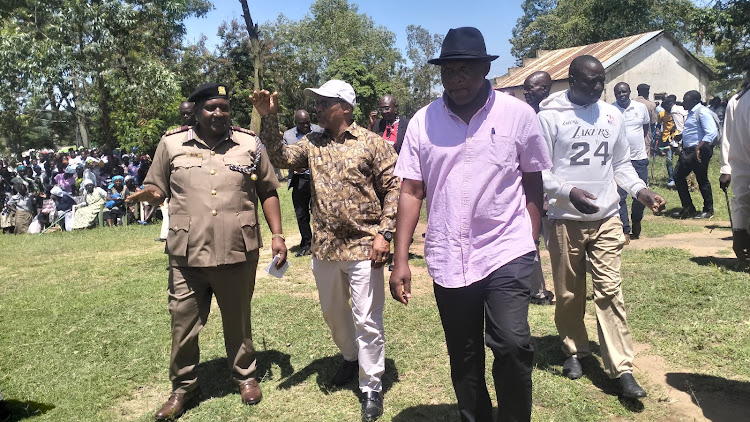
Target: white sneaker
x,y
670,184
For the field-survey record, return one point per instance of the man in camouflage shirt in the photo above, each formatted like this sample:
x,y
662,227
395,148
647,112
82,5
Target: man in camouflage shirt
x,y
354,200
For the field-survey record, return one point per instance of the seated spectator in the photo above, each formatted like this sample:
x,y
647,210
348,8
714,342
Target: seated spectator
x,y
24,206
64,204
115,206
88,172
79,180
87,211
66,180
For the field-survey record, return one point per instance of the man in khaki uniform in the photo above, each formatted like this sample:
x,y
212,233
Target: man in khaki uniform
x,y
213,175
354,200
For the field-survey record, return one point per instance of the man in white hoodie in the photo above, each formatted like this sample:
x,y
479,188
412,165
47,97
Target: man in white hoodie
x,y
590,158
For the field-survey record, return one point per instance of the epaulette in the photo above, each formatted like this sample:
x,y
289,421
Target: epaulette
x,y
243,130
176,130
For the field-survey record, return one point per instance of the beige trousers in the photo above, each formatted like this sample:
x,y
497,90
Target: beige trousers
x,y
190,291
357,329
569,243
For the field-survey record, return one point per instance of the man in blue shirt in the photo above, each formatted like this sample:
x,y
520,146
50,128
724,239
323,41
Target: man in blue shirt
x,y
299,180
697,137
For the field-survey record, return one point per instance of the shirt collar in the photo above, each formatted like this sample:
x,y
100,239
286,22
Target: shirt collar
x,y
487,105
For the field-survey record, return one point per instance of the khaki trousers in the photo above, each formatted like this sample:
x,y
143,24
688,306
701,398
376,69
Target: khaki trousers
x,y
357,329
190,290
602,240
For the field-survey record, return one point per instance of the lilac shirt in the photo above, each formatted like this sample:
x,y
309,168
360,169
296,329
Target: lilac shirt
x,y
476,207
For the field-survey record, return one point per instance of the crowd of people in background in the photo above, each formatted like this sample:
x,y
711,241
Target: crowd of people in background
x,y
70,190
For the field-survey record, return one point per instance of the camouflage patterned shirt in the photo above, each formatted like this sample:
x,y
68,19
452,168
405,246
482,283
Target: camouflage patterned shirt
x,y
354,190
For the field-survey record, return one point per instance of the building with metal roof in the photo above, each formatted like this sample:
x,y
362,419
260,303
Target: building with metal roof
x,y
654,58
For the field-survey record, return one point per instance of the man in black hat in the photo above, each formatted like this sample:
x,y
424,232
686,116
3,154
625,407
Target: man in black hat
x,y
214,174
479,244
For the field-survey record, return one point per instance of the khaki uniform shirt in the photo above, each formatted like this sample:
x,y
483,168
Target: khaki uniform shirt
x,y
213,216
354,191
653,116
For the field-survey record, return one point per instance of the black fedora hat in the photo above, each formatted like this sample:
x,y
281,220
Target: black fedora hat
x,y
465,43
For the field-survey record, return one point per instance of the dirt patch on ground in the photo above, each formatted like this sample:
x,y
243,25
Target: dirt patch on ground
x,y
141,401
715,239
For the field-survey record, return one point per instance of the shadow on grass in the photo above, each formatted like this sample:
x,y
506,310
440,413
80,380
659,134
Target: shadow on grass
x,y
548,356
719,399
731,264
21,410
325,368
428,413
216,380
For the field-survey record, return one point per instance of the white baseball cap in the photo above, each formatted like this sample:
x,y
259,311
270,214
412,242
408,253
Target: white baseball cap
x,y
334,89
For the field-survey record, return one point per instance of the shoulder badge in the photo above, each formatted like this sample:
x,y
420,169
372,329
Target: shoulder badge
x,y
243,130
176,130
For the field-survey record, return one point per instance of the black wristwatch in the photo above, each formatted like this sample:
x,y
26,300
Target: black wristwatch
x,y
388,236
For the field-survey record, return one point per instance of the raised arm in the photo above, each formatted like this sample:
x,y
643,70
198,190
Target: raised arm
x,y
281,155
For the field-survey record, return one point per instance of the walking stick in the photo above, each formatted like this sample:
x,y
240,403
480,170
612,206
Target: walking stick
x,y
56,221
729,208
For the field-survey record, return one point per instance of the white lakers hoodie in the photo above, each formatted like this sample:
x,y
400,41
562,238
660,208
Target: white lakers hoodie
x,y
589,151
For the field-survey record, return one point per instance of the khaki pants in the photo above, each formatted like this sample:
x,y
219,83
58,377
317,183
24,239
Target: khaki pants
x,y
602,240
190,291
357,329
23,221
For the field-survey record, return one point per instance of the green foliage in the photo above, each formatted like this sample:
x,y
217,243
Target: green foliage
x,y
726,25
109,64
425,77
304,53
553,24
366,85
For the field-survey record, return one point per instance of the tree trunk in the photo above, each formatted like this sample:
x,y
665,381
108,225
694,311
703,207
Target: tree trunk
x,y
252,30
104,109
82,130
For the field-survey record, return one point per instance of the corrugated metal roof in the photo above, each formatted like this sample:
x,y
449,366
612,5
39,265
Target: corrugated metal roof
x,y
557,62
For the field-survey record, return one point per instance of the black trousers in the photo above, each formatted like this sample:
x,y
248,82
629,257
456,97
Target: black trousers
x,y
301,197
686,164
501,302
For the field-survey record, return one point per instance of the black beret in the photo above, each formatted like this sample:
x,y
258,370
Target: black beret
x,y
209,91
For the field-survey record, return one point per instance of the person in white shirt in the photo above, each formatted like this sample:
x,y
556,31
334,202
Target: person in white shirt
x,y
637,128
737,138
590,158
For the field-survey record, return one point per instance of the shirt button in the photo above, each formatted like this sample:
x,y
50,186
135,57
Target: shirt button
x,y
213,152
213,191
213,212
213,172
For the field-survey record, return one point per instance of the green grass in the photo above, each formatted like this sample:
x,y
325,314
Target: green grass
x,y
86,337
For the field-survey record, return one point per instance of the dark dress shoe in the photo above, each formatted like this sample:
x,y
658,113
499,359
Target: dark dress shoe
x,y
630,387
684,213
704,215
348,370
176,405
372,406
250,392
302,252
572,368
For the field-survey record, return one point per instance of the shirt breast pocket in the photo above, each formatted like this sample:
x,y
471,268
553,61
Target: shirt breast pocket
x,y
236,165
186,170
502,150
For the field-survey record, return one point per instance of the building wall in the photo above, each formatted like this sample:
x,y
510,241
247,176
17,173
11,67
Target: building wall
x,y
661,64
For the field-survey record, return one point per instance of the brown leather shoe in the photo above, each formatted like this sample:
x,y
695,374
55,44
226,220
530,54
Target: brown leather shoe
x,y
176,405
250,392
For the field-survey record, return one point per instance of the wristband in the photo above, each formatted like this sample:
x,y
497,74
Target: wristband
x,y
281,235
